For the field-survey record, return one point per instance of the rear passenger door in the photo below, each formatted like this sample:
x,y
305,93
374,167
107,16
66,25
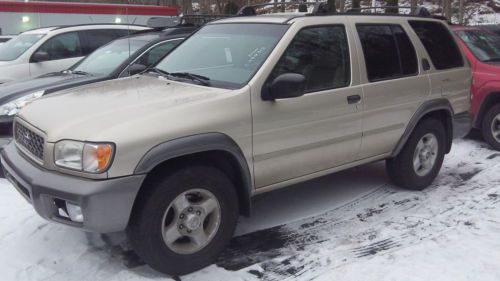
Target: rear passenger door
x,y
393,85
299,136
63,51
449,74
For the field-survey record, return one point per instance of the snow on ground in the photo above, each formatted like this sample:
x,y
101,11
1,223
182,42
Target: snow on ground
x,y
353,225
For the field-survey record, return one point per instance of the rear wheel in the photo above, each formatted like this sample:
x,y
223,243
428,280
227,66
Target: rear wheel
x,y
491,127
184,220
419,162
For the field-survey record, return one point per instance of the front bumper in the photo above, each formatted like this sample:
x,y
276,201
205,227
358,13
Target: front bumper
x,y
462,124
106,204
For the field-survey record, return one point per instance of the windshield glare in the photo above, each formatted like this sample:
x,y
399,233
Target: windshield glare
x,y
106,59
228,54
15,47
484,45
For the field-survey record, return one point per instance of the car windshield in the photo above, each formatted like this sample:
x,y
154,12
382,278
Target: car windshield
x,y
485,45
106,59
225,55
15,47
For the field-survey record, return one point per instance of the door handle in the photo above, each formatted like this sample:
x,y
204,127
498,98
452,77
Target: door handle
x,y
446,80
353,99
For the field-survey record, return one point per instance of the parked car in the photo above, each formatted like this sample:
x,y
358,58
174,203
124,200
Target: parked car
x,y
5,38
43,50
482,48
120,58
243,106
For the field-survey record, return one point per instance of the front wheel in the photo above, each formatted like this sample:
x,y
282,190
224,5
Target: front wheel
x,y
184,220
420,160
491,127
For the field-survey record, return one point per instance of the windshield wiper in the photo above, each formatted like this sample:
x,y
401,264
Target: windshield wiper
x,y
196,77
77,72
158,71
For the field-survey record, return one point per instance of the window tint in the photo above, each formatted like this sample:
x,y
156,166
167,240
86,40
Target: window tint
x,y
439,43
388,51
321,54
97,38
158,52
63,46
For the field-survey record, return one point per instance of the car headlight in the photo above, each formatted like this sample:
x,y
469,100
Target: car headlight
x,y
83,156
13,107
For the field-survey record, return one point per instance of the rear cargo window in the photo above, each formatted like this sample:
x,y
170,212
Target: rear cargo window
x,y
439,43
388,51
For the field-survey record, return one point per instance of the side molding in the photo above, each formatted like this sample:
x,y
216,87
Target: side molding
x,y
425,108
199,143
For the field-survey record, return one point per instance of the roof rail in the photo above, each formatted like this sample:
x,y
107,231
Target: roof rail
x,y
320,8
416,11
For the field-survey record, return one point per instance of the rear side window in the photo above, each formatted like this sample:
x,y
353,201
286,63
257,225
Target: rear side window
x,y
63,46
439,43
319,53
99,37
388,51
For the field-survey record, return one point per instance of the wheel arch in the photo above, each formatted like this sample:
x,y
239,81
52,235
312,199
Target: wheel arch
x,y
488,102
438,108
215,149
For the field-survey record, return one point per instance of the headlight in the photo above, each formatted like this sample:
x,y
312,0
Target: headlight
x,y
13,107
83,156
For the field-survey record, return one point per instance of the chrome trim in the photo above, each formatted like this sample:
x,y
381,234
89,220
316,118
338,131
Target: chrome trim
x,y
25,151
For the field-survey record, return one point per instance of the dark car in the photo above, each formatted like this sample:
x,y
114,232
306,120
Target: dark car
x,y
123,57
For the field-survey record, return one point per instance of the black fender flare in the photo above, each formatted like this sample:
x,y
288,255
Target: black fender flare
x,y
200,143
424,109
490,100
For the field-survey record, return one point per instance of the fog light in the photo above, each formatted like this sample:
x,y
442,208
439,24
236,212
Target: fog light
x,y
74,212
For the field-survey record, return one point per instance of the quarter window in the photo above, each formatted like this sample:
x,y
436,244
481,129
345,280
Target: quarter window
x,y
63,46
439,43
388,51
321,54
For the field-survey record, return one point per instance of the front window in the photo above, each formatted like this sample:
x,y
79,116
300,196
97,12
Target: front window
x,y
15,47
106,59
227,54
485,45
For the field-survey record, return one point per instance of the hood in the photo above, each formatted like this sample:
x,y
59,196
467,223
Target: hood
x,y
7,63
93,111
49,83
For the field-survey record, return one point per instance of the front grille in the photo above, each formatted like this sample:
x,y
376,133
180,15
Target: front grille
x,y
29,140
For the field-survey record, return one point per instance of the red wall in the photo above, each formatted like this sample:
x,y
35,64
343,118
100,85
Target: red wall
x,y
85,8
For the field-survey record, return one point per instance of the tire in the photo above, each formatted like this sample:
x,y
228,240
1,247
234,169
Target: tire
x,y
401,168
491,127
164,203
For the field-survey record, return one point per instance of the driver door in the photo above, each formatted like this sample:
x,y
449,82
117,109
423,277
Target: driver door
x,y
300,136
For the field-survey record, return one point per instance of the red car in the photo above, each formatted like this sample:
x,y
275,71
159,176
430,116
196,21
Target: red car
x,y
482,48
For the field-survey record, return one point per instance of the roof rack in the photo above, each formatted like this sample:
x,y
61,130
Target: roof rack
x,y
320,8
160,23
416,11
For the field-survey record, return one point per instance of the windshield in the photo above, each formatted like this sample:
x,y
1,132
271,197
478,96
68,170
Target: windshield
x,y
106,59
485,45
227,54
15,47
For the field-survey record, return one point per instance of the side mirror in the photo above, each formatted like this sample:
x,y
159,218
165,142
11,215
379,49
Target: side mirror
x,y
285,86
136,68
40,56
